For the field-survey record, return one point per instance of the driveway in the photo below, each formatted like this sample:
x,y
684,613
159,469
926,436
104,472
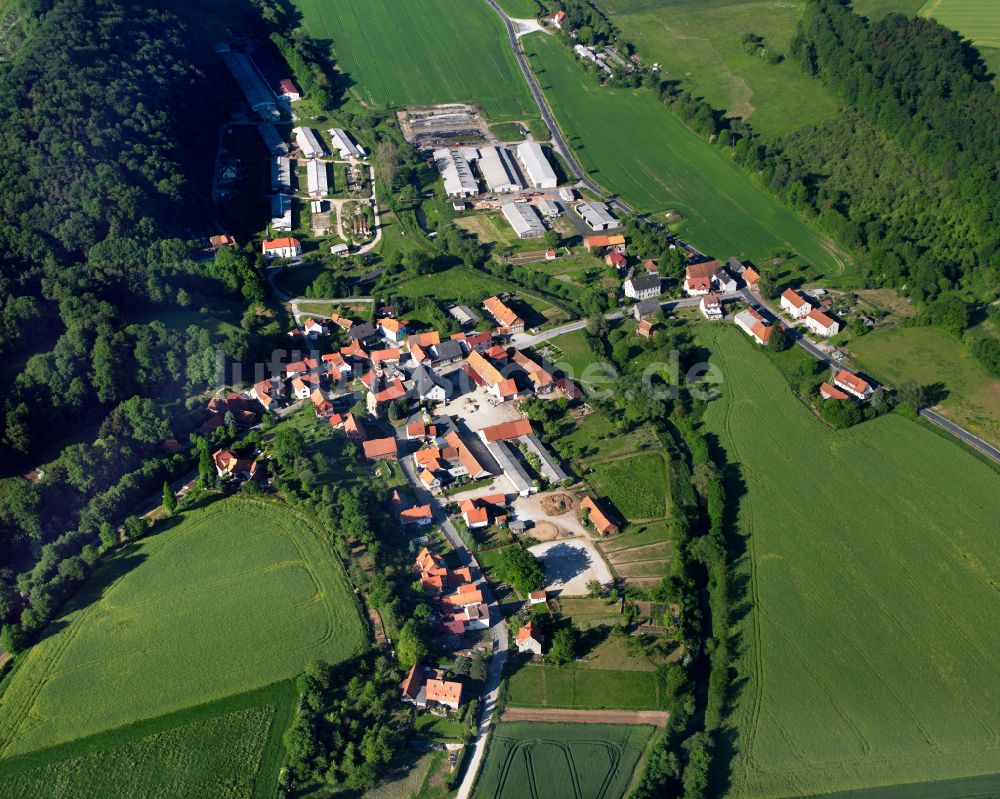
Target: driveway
x,y
571,563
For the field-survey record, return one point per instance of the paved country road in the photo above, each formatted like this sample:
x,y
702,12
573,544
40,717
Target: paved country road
x,y
559,142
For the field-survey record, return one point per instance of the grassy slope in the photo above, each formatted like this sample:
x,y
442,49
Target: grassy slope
x,y
422,51
928,355
237,596
633,145
869,647
560,760
698,43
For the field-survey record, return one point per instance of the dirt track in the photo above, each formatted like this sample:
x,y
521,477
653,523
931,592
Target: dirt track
x,y
654,717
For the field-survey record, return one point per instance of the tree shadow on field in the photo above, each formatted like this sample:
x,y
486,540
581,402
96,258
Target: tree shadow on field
x,y
740,602
95,587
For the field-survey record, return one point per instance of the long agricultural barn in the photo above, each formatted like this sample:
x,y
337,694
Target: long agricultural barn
x,y
536,166
498,171
281,212
281,174
596,215
456,172
343,144
524,220
259,96
316,178
273,141
308,143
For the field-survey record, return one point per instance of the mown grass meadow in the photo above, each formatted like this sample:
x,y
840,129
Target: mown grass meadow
x,y
422,52
868,645
584,761
238,595
633,145
585,688
699,43
636,486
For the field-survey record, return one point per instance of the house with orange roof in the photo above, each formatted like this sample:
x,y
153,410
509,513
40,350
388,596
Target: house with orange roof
x,y
480,342
418,514
557,19
794,304
828,392
286,247
428,339
468,462
229,464
336,421
218,242
506,431
466,594
508,322
393,329
699,278
645,329
477,512
600,243
266,393
820,324
313,328
380,449
303,385
529,639
592,512
751,322
541,379
853,385
419,354
322,406
381,393
355,430
751,277
412,683
336,366
444,692
382,357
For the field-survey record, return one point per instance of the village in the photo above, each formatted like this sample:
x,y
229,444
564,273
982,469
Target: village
x,y
447,409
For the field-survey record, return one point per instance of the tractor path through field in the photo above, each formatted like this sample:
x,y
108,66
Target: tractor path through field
x,y
655,717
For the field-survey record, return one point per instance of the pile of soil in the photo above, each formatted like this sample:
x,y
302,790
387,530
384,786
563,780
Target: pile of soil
x,y
557,504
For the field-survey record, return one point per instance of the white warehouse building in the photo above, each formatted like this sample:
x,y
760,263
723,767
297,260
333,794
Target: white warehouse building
x,y
281,212
536,166
525,221
308,143
281,174
498,171
596,215
316,178
260,98
342,142
456,172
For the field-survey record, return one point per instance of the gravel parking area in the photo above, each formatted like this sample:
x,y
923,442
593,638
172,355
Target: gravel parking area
x,y
571,563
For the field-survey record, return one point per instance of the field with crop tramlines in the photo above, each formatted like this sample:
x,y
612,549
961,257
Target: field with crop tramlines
x,y
632,144
236,596
869,648
218,757
577,761
699,43
422,52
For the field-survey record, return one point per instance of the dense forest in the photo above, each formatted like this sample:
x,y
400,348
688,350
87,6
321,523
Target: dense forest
x,y
108,134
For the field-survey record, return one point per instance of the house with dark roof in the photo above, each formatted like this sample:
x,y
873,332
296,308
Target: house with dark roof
x,y
643,287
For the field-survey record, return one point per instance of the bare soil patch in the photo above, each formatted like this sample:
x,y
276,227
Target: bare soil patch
x,y
557,504
655,717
